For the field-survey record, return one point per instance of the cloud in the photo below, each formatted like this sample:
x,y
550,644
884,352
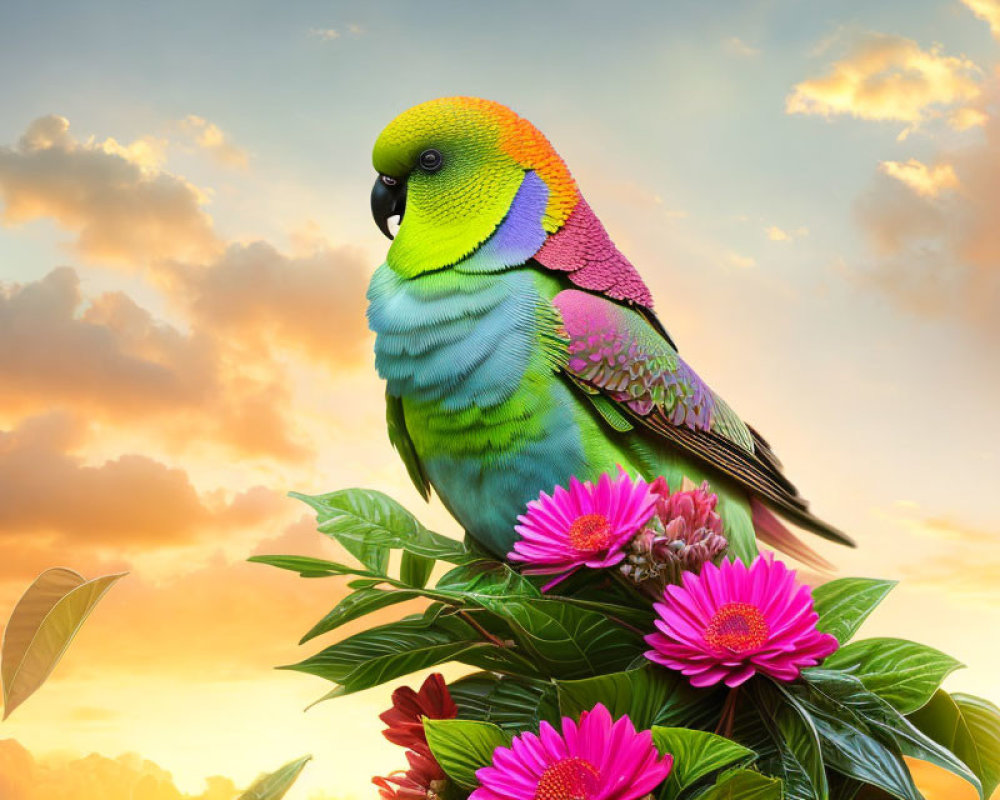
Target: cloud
x,y
988,10
735,46
110,358
741,262
209,137
925,181
962,119
243,619
887,77
326,34
963,561
776,234
94,777
124,208
935,252
128,503
331,34
313,302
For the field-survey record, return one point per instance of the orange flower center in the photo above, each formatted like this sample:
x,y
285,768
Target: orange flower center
x,y
569,779
590,533
737,627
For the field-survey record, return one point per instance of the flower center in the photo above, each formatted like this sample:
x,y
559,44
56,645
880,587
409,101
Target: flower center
x,y
569,779
590,533
738,627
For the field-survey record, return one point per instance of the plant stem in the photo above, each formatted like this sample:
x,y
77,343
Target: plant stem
x,y
481,630
728,717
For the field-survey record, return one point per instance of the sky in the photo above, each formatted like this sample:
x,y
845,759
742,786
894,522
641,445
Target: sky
x,y
811,191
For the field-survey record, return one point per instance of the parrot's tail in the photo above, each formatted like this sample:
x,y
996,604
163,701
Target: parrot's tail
x,y
772,532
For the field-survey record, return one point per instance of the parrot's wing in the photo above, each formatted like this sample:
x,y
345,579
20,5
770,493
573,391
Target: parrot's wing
x,y
615,354
399,436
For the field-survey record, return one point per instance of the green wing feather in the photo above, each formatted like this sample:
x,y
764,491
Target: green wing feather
x,y
399,436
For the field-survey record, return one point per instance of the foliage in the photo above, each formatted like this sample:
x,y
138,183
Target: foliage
x,y
43,624
275,785
840,729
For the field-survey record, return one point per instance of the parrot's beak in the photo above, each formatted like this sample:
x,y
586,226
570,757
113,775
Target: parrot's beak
x,y
388,200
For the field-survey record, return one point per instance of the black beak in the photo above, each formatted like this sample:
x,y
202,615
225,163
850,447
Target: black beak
x,y
388,200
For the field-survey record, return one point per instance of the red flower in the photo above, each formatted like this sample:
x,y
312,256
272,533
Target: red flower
x,y
404,721
405,727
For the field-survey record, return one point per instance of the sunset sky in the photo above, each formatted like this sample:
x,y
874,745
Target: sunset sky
x,y
811,190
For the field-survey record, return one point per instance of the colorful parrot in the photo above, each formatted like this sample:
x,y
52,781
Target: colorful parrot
x,y
520,347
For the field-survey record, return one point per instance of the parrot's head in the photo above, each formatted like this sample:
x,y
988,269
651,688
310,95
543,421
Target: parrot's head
x,y
450,169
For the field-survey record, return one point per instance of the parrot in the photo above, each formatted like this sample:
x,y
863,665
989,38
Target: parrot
x,y
519,347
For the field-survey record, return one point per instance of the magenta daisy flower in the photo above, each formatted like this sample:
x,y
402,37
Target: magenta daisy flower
x,y
596,760
731,622
584,525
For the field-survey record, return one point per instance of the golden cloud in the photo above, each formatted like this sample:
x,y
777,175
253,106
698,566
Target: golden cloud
x,y
988,10
254,295
776,234
112,359
924,180
937,253
210,137
128,503
124,208
241,618
885,77
94,777
962,561
734,259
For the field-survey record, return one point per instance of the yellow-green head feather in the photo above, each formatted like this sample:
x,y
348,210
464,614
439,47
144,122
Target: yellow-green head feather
x,y
485,150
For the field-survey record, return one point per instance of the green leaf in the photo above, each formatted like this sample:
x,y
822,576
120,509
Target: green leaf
x,y
369,523
851,746
890,723
463,746
649,695
844,604
983,720
969,727
743,784
844,788
485,578
854,702
596,590
414,570
513,703
358,604
277,784
42,625
783,734
309,567
904,673
364,583
566,641
696,754
381,654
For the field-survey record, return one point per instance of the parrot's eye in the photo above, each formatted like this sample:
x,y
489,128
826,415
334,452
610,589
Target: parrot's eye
x,y
387,180
430,160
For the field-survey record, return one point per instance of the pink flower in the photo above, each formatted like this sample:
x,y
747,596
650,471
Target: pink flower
x,y
731,622
595,760
684,533
586,525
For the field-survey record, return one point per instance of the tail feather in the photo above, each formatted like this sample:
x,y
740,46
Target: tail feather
x,y
772,531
